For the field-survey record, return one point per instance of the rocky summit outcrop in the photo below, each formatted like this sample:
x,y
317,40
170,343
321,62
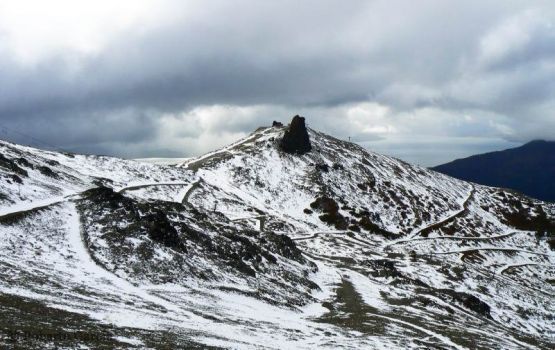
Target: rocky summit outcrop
x,y
295,139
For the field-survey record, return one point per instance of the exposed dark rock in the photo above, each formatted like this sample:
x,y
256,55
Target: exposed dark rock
x,y
47,172
23,162
383,268
102,181
469,301
331,214
15,178
367,186
52,162
107,196
325,204
524,220
473,303
323,168
533,218
366,223
336,220
160,230
285,246
295,139
241,252
277,124
11,165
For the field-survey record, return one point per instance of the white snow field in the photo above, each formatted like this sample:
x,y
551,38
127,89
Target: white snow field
x,y
249,247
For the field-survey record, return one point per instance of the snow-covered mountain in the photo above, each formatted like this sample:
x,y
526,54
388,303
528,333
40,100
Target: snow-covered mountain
x,y
251,246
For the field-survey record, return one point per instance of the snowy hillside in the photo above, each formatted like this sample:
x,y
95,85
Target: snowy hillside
x,y
253,247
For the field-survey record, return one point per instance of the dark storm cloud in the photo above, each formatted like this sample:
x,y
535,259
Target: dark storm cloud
x,y
470,67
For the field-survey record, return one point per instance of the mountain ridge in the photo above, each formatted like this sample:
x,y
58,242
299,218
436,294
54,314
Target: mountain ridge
x,y
529,169
249,246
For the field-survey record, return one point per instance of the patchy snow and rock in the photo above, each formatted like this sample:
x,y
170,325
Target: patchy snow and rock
x,y
253,247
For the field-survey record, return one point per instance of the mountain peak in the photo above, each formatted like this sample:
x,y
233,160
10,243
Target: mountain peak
x,y
538,143
295,139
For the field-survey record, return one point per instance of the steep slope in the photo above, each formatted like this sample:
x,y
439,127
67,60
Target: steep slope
x,y
529,169
384,192
417,235
250,246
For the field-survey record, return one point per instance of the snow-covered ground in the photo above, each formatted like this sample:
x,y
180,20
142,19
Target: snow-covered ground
x,y
199,251
162,161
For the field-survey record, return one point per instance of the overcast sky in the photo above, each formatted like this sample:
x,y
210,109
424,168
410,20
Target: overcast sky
x,y
426,81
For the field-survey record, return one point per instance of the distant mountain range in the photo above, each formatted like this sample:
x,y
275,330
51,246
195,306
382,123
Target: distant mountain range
x,y
529,169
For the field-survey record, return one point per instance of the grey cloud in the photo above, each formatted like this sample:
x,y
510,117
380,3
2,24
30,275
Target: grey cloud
x,y
317,58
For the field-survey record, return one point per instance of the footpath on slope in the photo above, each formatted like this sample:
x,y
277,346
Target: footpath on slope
x,y
438,224
14,212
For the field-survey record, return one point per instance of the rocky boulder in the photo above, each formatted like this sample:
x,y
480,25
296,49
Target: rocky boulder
x,y
160,230
295,139
331,214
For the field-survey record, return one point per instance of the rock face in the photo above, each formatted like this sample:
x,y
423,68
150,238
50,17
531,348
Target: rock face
x,y
296,140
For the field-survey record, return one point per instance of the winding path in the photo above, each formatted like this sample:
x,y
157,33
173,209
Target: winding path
x,y
442,338
136,187
316,234
438,224
463,238
95,270
516,250
9,213
261,221
192,162
12,213
190,190
513,266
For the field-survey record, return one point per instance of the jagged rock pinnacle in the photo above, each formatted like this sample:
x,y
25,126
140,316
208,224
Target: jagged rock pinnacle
x,y
295,139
